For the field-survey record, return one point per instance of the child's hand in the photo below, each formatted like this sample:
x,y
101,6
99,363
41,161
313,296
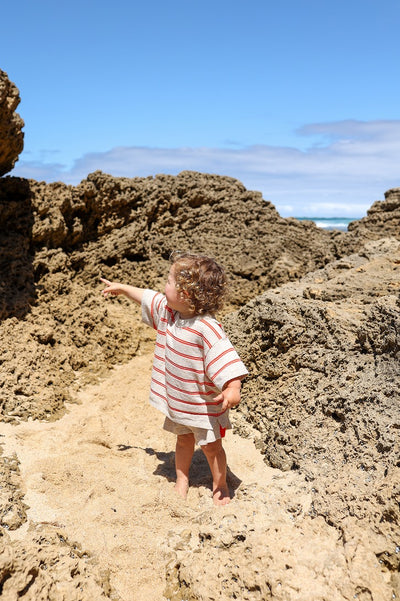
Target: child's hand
x,y
230,396
113,288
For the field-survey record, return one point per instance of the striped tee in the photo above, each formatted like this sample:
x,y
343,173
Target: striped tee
x,y
193,360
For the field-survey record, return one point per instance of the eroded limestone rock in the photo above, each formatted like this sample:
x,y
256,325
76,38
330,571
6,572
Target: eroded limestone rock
x,y
11,124
56,240
45,566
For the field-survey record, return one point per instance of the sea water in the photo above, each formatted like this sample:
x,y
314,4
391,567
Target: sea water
x,y
330,223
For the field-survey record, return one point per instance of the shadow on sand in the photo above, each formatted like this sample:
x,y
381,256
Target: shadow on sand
x,y
199,474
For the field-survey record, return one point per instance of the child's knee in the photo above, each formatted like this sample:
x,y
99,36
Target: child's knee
x,y
212,448
185,440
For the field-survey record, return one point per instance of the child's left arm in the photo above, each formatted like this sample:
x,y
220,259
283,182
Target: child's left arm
x,y
230,394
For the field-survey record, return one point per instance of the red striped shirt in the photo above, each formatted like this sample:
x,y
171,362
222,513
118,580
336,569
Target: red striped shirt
x,y
192,362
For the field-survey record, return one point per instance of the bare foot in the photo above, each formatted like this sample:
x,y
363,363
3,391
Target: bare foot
x,y
221,496
181,487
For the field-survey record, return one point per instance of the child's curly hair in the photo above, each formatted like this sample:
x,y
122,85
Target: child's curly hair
x,y
202,279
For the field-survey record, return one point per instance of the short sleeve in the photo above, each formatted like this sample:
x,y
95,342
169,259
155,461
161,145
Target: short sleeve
x,y
223,364
153,304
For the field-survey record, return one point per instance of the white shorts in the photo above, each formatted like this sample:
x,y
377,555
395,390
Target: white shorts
x,y
202,436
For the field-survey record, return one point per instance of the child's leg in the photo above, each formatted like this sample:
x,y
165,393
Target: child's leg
x,y
216,457
183,458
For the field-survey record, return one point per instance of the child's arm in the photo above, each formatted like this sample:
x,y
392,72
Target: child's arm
x,y
230,394
115,289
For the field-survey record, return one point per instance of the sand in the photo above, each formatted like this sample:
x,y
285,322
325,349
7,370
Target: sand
x,y
103,476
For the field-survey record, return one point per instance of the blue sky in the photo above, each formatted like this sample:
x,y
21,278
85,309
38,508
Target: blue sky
x,y
298,99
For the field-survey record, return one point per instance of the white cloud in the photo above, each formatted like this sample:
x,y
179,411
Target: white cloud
x,y
350,167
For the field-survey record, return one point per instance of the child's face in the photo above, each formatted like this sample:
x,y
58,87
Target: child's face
x,y
176,300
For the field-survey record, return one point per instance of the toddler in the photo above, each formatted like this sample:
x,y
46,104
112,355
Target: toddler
x,y
197,373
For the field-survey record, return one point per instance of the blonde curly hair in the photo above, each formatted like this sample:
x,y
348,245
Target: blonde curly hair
x,y
202,280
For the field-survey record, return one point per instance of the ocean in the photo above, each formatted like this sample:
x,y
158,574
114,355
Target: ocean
x,y
330,223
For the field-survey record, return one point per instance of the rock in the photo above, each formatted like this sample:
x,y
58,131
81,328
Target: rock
x,y
382,216
383,219
12,506
56,240
265,548
11,124
45,565
323,388
323,392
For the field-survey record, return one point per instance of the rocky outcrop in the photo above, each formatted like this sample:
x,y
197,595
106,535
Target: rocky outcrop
x,y
46,565
270,546
383,216
383,219
323,355
11,124
12,506
56,240
323,393
129,227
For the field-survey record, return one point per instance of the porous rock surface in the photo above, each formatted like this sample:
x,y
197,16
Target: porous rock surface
x,y
270,547
323,392
12,506
383,216
11,124
45,566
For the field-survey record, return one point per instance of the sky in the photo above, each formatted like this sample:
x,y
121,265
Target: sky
x,y
298,99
